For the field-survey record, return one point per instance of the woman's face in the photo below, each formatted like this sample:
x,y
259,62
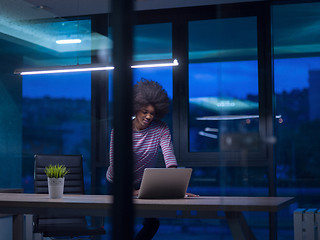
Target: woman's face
x,y
145,116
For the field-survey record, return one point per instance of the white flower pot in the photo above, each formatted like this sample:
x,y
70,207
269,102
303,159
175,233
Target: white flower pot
x,y
55,187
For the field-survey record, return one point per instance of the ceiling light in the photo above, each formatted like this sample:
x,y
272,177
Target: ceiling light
x,y
91,67
160,64
68,41
42,7
64,69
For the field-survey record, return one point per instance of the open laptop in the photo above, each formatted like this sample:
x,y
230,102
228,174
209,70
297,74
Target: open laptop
x,y
164,183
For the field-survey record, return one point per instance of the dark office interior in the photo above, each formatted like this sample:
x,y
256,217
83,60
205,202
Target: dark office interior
x,y
245,106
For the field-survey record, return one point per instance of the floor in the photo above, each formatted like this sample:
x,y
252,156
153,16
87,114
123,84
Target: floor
x,y
200,229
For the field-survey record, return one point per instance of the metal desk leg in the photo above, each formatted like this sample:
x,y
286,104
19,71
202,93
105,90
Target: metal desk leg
x,y
28,229
17,227
239,227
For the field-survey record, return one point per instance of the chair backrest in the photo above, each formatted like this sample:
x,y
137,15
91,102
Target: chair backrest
x,y
74,182
70,226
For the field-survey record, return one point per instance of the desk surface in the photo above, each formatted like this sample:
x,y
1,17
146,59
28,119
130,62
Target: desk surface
x,y
97,203
11,190
100,205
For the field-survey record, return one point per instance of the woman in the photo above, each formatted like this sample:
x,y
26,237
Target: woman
x,y
149,133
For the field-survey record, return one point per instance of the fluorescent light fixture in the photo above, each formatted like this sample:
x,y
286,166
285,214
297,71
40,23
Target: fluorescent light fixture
x,y
90,68
160,64
68,41
64,69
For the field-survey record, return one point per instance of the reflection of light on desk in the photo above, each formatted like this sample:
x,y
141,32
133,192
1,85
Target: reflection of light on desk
x,y
210,135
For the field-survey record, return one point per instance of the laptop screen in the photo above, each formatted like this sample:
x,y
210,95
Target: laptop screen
x,y
164,183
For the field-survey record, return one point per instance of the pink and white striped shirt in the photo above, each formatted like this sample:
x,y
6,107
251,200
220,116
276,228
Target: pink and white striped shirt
x,y
146,144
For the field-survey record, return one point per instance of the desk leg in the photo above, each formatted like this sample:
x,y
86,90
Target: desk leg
x,y
17,227
239,227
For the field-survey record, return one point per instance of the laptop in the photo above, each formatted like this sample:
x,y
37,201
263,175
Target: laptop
x,y
164,183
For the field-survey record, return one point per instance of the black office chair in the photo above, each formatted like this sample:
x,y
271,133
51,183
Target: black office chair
x,y
70,226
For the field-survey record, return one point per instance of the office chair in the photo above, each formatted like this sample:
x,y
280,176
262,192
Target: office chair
x,y
70,226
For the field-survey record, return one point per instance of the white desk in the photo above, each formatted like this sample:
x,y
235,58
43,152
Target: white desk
x,y
100,205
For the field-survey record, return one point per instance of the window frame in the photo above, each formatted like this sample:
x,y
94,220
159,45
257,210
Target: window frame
x,y
180,79
179,18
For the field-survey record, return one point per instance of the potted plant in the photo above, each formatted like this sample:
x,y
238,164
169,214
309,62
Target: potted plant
x,y
55,175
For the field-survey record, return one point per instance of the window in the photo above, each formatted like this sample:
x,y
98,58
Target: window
x,y
223,85
296,78
152,42
56,119
56,108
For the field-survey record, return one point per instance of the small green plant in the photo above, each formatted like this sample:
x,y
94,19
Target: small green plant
x,y
56,171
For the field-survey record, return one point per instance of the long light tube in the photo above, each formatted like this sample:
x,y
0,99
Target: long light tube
x,y
67,70
174,63
90,67
68,41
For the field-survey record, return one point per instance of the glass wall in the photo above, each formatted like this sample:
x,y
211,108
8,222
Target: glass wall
x,y
10,119
296,81
47,114
297,73
52,113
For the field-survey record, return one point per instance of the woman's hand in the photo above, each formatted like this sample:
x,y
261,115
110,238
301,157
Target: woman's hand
x,y
135,192
191,195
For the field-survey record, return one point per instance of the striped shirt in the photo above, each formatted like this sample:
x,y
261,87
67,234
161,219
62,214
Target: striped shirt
x,y
146,145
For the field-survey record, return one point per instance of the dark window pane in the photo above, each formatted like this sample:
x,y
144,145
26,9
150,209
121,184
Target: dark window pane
x,y
152,42
223,84
297,78
56,119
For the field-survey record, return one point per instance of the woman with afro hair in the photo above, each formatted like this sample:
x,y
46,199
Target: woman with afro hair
x,y
150,104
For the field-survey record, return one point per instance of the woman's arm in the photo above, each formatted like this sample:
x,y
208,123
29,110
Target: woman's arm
x,y
109,174
167,148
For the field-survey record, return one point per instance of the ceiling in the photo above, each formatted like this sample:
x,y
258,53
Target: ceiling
x,y
21,30
63,8
19,19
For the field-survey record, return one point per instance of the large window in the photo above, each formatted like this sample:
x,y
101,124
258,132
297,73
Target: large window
x,y
296,81
56,119
223,84
56,108
297,76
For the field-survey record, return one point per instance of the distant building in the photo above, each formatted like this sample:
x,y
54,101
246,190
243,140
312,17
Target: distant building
x,y
314,94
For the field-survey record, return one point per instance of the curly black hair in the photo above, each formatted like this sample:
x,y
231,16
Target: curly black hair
x,y
147,92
